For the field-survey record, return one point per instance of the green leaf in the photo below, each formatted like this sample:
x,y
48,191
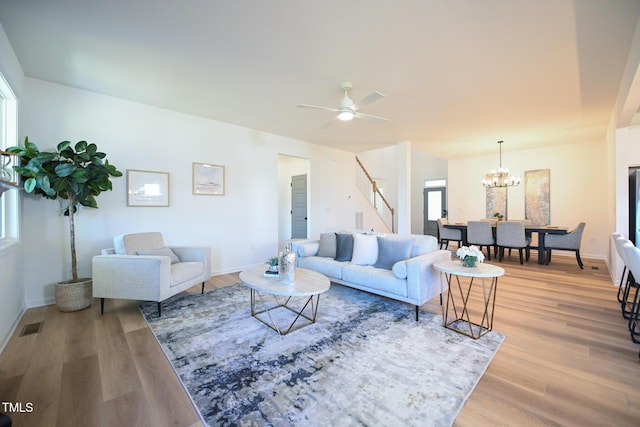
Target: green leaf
x,y
63,146
81,146
30,185
65,169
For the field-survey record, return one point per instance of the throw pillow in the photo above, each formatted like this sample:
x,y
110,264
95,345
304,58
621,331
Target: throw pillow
x,y
399,269
344,247
391,251
327,247
310,249
365,249
161,252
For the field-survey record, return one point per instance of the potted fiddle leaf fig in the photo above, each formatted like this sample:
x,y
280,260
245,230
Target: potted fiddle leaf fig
x,y
75,175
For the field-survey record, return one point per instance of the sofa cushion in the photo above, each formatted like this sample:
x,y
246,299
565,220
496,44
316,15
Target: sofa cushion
x,y
161,252
344,247
423,245
399,269
327,247
129,244
327,266
391,251
309,249
184,271
374,278
365,249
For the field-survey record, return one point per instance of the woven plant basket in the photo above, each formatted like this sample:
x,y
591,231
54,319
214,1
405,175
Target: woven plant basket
x,y
74,295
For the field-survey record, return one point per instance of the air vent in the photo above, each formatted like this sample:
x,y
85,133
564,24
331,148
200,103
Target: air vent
x,y
595,268
31,328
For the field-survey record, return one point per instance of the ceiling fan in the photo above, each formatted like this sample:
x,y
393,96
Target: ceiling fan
x,y
349,109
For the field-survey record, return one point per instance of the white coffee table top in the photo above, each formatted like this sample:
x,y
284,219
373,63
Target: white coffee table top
x,y
306,282
480,270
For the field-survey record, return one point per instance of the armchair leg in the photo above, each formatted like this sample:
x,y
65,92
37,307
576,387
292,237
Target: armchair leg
x,y
417,310
520,253
159,309
548,257
202,292
579,260
101,305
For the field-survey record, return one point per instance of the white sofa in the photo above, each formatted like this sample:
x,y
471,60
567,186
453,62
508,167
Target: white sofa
x,y
141,267
392,265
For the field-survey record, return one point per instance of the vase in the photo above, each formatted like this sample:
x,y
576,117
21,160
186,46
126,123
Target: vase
x,y
469,261
287,265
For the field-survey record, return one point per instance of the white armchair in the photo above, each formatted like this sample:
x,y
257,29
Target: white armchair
x,y
141,267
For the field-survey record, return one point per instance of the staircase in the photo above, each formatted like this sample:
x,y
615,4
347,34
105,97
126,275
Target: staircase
x,y
370,190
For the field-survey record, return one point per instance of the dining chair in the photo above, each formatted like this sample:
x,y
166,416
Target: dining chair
x,y
566,242
632,254
480,233
511,235
446,235
625,285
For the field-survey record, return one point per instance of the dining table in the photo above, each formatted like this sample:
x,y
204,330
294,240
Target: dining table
x,y
529,229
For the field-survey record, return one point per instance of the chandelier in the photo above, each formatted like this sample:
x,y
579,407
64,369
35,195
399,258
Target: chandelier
x,y
500,177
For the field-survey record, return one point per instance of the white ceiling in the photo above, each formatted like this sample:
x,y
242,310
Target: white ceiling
x,y
458,75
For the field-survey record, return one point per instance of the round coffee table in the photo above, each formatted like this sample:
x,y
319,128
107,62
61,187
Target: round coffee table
x,y
306,286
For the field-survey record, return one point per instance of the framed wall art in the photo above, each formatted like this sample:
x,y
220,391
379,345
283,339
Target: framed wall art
x,y
147,188
537,196
208,180
496,201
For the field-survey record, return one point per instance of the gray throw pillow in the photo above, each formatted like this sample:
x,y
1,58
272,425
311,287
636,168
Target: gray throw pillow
x,y
391,251
344,247
327,247
161,252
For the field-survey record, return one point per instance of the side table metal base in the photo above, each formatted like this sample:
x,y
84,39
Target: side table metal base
x,y
461,319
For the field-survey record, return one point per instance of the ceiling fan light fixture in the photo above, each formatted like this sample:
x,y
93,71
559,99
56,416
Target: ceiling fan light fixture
x,y
345,116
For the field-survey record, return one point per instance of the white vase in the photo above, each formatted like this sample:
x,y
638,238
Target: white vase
x,y
287,265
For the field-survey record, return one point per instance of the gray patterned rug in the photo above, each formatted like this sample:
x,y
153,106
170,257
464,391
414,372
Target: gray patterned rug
x,y
365,362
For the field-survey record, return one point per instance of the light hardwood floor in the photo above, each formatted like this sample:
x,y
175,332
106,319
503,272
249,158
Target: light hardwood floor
x,y
567,360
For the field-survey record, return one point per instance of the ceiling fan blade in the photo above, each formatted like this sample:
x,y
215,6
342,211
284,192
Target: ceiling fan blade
x,y
373,96
370,117
329,123
317,107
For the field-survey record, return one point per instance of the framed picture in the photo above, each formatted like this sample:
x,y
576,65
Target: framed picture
x,y
537,196
147,188
208,179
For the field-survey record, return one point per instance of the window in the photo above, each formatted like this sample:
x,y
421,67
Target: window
x,y
8,137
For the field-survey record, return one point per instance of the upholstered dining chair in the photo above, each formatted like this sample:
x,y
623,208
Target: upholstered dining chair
x,y
511,235
141,267
623,288
566,242
480,233
633,258
446,235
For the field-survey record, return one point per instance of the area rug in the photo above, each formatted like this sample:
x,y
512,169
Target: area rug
x,y
365,362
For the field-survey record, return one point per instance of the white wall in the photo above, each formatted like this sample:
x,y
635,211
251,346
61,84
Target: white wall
x,y
627,155
12,303
241,227
579,191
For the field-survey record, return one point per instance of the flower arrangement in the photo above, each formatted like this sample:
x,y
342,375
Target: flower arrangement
x,y
470,255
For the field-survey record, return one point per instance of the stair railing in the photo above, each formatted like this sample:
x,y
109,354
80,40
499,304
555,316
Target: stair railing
x,y
370,190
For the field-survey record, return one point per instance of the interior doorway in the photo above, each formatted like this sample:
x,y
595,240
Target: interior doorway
x,y
299,206
289,167
435,205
